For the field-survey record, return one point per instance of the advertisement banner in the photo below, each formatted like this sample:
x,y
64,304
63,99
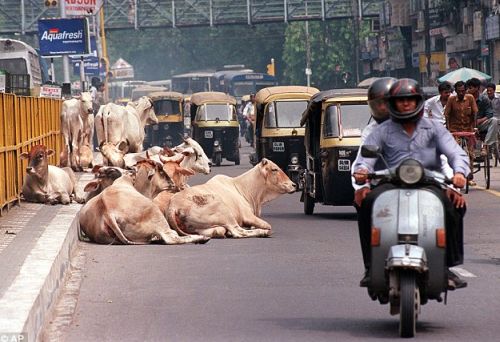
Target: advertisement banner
x,y
68,36
90,62
81,7
51,91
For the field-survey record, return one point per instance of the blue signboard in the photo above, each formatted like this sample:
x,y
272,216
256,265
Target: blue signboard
x,y
90,62
68,36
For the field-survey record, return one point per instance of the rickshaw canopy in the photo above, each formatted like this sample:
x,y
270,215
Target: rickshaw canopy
x,y
314,107
200,98
279,92
166,95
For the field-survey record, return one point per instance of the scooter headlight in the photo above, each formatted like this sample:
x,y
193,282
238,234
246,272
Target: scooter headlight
x,y
410,171
294,160
216,143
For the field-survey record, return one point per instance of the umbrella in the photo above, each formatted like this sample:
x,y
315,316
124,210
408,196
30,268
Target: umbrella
x,y
367,83
464,74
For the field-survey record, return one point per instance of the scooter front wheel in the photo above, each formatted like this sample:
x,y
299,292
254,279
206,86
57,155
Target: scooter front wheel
x,y
409,304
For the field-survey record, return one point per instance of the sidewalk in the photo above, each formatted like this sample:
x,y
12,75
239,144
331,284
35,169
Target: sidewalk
x,y
36,243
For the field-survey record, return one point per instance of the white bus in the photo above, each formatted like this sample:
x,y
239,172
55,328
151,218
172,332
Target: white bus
x,y
22,64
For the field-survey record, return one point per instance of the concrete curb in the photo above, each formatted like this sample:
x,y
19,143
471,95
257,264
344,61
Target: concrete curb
x,y
28,300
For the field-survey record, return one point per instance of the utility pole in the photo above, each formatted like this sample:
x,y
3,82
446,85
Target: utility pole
x,y
65,58
308,52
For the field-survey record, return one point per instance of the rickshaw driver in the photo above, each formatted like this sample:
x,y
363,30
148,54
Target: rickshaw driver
x,y
249,115
424,140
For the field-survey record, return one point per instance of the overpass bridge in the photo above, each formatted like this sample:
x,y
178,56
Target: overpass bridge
x,y
21,16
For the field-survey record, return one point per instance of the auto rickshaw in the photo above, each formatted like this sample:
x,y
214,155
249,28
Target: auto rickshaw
x,y
279,136
334,120
214,125
169,109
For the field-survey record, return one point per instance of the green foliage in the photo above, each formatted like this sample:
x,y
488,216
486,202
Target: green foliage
x,y
158,54
331,43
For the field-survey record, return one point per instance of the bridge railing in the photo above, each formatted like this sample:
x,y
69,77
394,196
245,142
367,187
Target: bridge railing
x,y
25,122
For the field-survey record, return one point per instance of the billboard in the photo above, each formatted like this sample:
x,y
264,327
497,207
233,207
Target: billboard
x,y
90,62
63,36
81,7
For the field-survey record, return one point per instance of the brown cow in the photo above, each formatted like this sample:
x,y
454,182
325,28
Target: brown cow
x,y
120,214
46,183
104,177
223,205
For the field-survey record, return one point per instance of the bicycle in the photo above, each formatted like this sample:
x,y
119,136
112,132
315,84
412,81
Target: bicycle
x,y
482,161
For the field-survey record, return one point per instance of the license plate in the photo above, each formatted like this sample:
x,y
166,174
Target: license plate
x,y
209,134
278,146
344,165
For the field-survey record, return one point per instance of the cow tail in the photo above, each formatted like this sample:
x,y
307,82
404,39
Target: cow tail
x,y
110,221
172,221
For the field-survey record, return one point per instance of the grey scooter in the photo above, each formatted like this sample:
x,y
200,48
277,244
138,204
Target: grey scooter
x,y
408,241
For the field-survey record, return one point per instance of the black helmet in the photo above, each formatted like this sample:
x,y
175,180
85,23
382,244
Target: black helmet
x,y
405,88
376,94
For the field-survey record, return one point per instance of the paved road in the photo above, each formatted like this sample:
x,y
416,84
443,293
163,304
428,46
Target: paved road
x,y
299,285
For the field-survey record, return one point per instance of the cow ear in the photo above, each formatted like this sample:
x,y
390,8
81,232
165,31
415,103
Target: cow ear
x,y
92,186
188,151
168,152
96,168
264,161
186,172
25,155
50,152
122,146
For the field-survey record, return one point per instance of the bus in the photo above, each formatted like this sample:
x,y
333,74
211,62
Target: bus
x,y
192,82
21,63
238,83
161,83
121,91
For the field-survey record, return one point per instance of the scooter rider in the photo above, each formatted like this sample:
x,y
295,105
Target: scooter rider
x,y
409,135
378,106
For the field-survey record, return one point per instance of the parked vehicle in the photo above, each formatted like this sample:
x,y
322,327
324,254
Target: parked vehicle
x,y
334,120
215,125
279,136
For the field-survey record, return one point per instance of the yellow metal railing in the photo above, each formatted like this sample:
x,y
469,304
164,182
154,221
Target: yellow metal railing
x,y
25,122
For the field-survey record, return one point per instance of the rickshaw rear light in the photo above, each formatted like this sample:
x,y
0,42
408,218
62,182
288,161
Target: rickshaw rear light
x,y
375,240
441,237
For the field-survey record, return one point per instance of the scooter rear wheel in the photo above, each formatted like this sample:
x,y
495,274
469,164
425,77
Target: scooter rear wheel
x,y
409,304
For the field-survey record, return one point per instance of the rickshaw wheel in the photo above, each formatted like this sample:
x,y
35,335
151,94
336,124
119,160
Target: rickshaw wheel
x,y
308,203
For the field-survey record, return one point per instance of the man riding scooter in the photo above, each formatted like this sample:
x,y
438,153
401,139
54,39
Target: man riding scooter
x,y
409,135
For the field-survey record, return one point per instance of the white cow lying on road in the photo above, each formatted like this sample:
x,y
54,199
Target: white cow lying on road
x,y
120,214
223,205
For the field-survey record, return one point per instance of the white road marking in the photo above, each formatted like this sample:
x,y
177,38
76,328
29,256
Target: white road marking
x,y
463,272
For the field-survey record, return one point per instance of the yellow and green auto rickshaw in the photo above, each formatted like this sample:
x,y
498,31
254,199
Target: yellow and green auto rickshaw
x,y
278,135
214,125
334,120
169,109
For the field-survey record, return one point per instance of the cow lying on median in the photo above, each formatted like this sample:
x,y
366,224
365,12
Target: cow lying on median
x,y
120,214
223,206
46,183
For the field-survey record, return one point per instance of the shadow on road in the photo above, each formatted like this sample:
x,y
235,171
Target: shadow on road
x,y
374,328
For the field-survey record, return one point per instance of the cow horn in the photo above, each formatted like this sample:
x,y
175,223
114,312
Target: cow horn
x,y
180,159
147,155
163,160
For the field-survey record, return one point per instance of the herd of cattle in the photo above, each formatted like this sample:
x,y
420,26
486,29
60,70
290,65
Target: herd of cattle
x,y
140,196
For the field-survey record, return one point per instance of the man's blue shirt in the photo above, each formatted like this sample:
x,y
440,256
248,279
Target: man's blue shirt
x,y
429,140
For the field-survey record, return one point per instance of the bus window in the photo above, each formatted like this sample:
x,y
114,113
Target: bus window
x,y
14,65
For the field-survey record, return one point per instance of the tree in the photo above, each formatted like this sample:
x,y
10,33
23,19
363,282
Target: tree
x,y
331,43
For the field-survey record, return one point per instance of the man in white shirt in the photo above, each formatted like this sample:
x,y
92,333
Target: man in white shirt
x,y
434,107
494,98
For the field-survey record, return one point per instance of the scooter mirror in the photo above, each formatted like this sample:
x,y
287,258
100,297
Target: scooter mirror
x,y
370,151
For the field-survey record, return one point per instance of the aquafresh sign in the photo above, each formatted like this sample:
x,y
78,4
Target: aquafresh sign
x,y
63,36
